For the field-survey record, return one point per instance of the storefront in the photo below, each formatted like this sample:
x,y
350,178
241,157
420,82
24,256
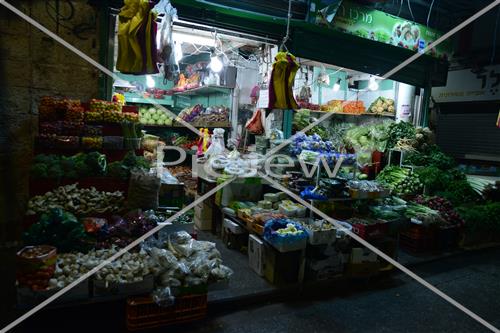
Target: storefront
x,y
200,94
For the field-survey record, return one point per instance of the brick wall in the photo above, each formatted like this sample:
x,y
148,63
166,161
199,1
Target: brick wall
x,y
33,65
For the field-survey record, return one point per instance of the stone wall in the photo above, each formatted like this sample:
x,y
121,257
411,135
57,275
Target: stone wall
x,y
33,65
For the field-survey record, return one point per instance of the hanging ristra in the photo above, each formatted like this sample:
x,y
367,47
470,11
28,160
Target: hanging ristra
x,y
281,84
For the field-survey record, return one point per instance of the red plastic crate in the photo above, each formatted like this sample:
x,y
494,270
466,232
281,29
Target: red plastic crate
x,y
143,313
418,239
372,231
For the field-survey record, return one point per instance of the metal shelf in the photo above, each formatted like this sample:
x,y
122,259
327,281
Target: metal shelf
x,y
203,90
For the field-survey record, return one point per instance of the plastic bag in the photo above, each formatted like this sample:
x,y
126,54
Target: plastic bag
x,y
163,297
180,243
221,273
295,231
143,190
254,125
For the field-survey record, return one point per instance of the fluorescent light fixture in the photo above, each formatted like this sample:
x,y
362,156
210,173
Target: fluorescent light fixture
x,y
336,86
181,37
150,81
373,84
215,63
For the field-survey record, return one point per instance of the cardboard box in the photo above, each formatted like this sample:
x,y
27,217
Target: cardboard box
x,y
203,212
281,268
203,224
362,255
105,288
365,269
256,251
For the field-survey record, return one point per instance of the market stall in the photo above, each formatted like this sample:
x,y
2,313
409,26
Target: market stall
x,y
214,106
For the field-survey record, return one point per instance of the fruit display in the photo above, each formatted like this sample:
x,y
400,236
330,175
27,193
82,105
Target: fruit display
x,y
93,117
92,142
92,130
353,107
71,128
202,115
109,116
153,116
382,105
130,116
308,106
74,113
76,200
335,105
101,106
46,109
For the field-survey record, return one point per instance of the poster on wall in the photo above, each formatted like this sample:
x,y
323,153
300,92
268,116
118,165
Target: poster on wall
x,y
470,85
382,27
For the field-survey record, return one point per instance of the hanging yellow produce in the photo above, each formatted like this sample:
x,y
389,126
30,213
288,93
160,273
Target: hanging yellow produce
x,y
281,84
137,38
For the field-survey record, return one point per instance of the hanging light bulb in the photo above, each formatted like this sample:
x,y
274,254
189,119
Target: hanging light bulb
x,y
336,86
215,63
373,84
150,81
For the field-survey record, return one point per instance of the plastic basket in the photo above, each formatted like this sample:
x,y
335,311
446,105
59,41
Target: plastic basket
x,y
142,313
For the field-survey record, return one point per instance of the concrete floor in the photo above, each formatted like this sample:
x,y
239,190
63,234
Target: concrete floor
x,y
393,303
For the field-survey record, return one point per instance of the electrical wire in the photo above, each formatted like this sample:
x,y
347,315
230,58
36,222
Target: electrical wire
x,y
400,7
493,52
430,11
289,18
411,12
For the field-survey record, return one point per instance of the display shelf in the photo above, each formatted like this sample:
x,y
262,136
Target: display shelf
x,y
132,98
203,90
179,125
221,124
384,114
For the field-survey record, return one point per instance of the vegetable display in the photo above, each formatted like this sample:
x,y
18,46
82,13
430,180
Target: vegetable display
x,y
200,114
432,156
400,181
314,143
484,217
79,165
60,229
423,214
371,137
303,118
153,116
443,206
382,105
76,200
400,131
